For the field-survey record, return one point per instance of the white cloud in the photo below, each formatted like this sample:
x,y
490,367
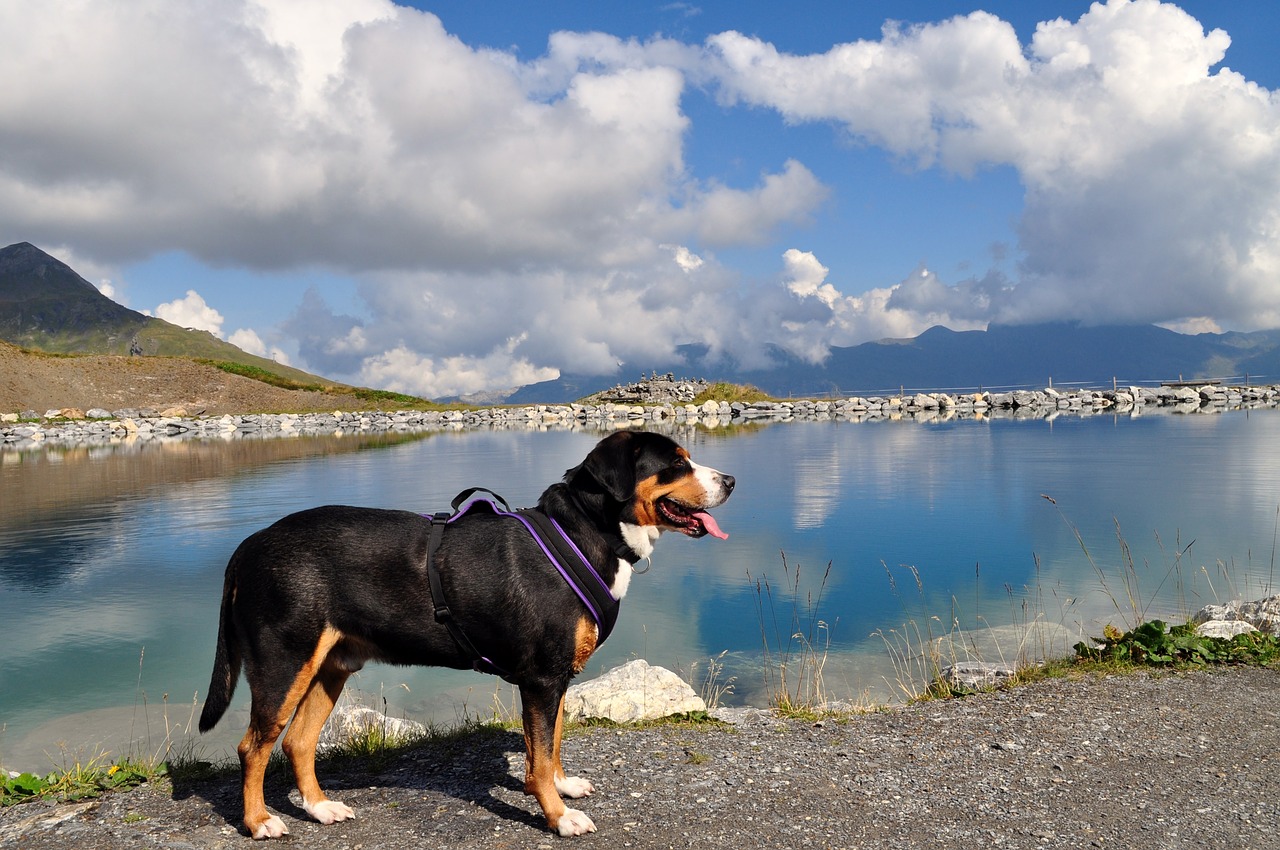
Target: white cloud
x,y
191,312
508,217
358,135
403,370
821,316
686,259
247,339
1152,180
516,325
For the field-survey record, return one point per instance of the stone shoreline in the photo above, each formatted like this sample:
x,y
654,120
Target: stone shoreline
x,y
30,429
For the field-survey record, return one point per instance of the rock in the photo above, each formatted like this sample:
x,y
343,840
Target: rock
x,y
352,721
976,675
633,692
68,426
1215,613
97,413
1262,615
1224,628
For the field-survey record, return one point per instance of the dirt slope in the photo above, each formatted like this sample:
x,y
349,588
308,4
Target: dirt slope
x,y
40,382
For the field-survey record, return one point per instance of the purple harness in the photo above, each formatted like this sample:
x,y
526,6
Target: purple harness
x,y
563,553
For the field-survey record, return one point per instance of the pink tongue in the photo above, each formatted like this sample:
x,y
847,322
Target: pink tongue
x,y
712,527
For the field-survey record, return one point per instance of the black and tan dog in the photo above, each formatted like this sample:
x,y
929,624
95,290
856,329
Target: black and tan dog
x,y
309,600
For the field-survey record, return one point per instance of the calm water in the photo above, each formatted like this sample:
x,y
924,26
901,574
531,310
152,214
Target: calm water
x,y
111,559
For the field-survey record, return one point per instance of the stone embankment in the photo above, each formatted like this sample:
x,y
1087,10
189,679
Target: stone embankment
x,y
66,426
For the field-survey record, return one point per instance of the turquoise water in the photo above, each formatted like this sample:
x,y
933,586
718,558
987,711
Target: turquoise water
x,y
111,559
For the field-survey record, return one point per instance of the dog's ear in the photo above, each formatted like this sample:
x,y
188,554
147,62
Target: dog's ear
x,y
612,464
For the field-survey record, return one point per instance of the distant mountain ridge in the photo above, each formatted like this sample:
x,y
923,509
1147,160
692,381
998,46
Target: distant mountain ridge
x,y
1002,356
46,306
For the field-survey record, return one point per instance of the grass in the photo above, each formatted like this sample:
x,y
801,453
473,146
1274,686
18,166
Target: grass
x,y
79,781
1141,641
724,391
714,687
796,643
80,778
256,373
1042,637
270,378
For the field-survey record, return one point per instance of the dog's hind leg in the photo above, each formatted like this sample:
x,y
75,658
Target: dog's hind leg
x,y
303,735
268,715
543,715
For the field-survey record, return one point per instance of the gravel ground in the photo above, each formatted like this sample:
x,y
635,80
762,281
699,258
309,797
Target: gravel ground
x,y
1137,761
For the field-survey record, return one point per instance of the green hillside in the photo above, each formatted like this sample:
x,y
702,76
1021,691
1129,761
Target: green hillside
x,y
46,306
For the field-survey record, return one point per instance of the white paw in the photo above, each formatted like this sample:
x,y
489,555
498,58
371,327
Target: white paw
x,y
272,827
329,811
574,822
574,787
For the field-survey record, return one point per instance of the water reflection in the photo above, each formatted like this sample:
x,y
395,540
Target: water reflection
x,y
111,559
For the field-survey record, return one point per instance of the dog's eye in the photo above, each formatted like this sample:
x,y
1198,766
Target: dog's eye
x,y
681,463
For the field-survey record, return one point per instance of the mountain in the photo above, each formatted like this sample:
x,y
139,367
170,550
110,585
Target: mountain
x,y
46,306
1003,356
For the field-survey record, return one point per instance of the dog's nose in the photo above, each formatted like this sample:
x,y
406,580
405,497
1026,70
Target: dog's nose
x,y
728,483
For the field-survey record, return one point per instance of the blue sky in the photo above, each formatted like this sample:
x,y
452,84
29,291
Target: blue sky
x,y
458,196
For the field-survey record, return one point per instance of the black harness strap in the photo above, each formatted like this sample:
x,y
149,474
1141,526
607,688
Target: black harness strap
x,y
443,615
580,576
556,545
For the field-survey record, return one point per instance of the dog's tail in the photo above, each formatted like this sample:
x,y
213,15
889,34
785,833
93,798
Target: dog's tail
x,y
226,658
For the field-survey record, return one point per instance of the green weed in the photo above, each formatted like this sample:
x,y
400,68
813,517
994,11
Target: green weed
x,y
1157,644
79,781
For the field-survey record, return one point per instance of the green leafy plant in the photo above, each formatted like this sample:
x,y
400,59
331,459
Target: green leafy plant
x,y
79,781
1155,643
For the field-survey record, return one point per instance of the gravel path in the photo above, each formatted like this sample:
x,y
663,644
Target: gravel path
x,y
1138,761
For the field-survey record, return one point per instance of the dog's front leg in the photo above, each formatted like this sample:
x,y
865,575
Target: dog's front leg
x,y
544,777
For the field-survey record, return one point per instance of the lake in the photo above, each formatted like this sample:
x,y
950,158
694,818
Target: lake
x,y
1010,537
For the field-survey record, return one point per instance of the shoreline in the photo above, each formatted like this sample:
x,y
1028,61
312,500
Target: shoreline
x,y
28,429
1146,759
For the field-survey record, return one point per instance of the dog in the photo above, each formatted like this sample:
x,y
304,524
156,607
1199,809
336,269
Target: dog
x,y
307,601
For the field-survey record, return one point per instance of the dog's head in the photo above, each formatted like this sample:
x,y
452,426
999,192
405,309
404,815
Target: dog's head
x,y
656,482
